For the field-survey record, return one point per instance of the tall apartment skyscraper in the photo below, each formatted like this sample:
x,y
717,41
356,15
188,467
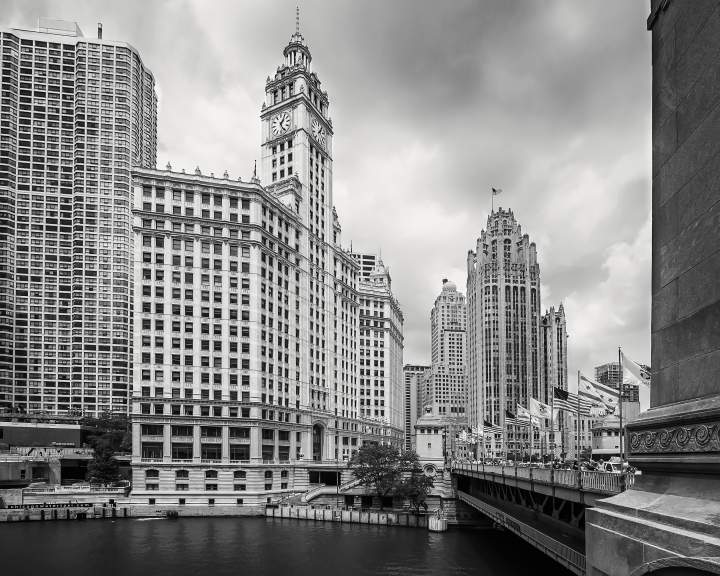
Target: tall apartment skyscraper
x,y
503,326
610,374
413,409
447,341
263,358
77,114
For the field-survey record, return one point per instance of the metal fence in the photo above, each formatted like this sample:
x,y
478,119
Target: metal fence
x,y
591,481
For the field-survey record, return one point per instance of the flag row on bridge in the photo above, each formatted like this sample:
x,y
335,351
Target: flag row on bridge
x,y
592,399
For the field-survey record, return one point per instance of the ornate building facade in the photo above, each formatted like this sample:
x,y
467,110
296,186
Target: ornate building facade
x,y
263,358
554,369
503,327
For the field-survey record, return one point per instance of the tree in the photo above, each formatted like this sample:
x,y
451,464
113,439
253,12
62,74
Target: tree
x,y
389,472
415,486
107,434
103,468
113,429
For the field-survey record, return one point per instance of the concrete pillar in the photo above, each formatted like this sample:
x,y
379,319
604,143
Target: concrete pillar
x,y
167,446
255,449
225,446
196,444
136,447
676,443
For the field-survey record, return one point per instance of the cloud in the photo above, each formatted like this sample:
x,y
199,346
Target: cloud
x,y
616,311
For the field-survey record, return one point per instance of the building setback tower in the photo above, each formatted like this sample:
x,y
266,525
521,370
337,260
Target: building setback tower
x,y
503,328
447,340
554,352
413,407
553,338
77,114
381,351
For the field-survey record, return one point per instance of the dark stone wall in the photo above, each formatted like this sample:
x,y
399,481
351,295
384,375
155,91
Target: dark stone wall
x,y
686,200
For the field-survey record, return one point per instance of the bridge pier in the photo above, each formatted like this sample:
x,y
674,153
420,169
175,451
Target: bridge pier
x,y
669,522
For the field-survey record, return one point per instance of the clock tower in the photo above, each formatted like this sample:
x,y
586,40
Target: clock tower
x,y
297,137
296,167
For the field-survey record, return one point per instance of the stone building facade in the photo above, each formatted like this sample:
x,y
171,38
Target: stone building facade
x,y
263,358
669,522
447,344
503,326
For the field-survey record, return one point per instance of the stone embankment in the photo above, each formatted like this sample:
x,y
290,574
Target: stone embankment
x,y
379,518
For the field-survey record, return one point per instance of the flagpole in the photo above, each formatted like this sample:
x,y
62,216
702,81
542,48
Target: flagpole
x,y
620,389
577,422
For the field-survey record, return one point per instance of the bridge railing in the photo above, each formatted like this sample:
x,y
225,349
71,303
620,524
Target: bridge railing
x,y
588,480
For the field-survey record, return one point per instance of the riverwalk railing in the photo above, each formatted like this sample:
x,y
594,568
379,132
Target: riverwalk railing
x,y
325,489
586,480
84,489
566,555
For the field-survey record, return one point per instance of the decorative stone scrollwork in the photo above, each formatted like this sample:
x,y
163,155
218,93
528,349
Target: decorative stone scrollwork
x,y
692,438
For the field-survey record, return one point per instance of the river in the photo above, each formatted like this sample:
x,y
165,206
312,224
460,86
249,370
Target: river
x,y
258,547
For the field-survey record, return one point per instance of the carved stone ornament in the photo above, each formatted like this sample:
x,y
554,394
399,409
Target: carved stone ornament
x,y
702,437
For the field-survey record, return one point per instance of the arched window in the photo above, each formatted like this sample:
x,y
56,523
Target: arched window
x,y
182,474
152,473
239,474
211,474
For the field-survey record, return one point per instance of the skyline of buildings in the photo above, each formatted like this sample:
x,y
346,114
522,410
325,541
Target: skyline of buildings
x,y
296,168
257,339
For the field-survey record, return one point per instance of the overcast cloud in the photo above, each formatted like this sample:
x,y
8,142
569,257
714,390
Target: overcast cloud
x,y
432,104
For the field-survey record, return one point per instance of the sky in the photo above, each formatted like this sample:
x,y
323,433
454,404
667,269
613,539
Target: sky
x,y
433,103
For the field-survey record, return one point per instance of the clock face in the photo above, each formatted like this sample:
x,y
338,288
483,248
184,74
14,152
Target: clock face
x,y
280,123
318,132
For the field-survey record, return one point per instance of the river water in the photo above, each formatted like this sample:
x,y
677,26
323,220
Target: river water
x,y
258,547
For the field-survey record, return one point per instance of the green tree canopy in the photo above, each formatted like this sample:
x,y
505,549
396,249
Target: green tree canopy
x,y
108,434
103,468
389,472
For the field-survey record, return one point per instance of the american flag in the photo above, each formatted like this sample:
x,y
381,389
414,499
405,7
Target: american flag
x,y
491,428
512,420
568,401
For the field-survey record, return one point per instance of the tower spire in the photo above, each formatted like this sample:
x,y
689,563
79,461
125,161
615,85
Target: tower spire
x,y
297,20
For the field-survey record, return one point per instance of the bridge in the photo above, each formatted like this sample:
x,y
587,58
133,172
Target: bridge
x,y
543,506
